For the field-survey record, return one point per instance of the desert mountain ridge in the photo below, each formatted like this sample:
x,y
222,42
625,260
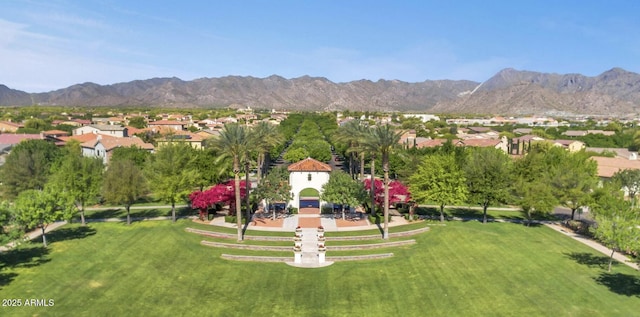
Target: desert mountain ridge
x,y
509,92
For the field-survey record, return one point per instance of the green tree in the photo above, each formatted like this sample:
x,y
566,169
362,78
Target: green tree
x,y
234,142
123,184
295,155
209,169
344,190
618,226
382,139
531,188
573,178
28,166
39,208
138,155
80,177
138,122
629,179
352,135
487,172
171,173
265,137
274,187
8,230
36,124
439,179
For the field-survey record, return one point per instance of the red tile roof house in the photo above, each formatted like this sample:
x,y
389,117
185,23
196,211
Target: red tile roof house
x,y
55,133
431,143
607,166
103,146
501,144
8,126
167,124
7,140
496,143
104,129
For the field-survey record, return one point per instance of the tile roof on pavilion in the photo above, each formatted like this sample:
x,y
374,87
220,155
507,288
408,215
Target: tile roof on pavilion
x,y
309,165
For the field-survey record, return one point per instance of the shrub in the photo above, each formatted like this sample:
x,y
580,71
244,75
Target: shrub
x,y
293,210
579,226
377,219
414,218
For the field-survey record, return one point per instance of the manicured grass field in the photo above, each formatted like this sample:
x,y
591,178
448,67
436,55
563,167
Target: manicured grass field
x,y
155,268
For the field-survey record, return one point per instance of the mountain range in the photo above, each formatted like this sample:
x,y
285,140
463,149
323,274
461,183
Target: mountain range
x,y
509,92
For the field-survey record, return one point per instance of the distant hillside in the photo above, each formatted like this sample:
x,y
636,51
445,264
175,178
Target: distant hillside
x,y
10,96
508,92
522,92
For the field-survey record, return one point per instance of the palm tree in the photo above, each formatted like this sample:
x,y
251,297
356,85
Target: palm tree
x,y
381,140
265,136
353,133
234,142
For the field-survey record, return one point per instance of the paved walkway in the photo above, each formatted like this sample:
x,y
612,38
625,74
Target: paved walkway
x,y
34,234
594,245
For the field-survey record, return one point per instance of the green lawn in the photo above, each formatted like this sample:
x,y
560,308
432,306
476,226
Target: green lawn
x,y
462,212
121,212
155,268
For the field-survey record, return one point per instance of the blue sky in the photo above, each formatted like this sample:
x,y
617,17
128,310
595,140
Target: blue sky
x,y
52,44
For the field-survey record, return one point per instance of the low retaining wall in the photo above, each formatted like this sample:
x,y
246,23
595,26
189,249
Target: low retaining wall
x,y
359,257
234,235
377,236
370,246
246,246
249,258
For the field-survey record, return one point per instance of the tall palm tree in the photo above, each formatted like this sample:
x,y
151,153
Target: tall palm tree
x,y
234,142
352,134
381,140
265,136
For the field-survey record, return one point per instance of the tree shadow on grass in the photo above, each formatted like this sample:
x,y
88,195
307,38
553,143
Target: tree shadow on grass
x,y
23,256
152,213
106,213
623,284
590,259
467,214
72,233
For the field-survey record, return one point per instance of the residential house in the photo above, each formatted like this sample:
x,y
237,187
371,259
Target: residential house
x,y
103,129
606,133
608,166
478,130
8,140
522,131
192,139
574,133
100,120
103,145
162,125
430,143
8,126
408,138
54,133
522,144
619,152
501,144
570,145
208,133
